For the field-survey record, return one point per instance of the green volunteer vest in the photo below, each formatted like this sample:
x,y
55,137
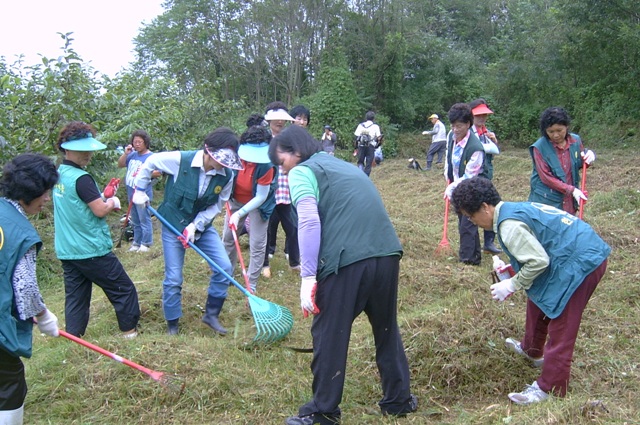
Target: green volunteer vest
x,y
79,234
181,203
355,223
543,193
574,248
17,235
473,145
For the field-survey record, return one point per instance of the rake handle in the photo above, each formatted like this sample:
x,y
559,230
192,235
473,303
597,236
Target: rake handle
x,y
235,240
152,373
199,251
583,185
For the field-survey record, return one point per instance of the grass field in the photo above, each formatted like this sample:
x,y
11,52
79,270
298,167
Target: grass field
x,y
453,331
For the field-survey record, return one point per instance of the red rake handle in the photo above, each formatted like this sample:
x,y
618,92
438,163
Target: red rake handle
x,y
582,188
156,376
240,259
446,219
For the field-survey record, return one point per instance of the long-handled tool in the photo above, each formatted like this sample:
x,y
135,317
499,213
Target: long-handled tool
x,y
240,259
172,383
124,225
273,321
444,246
583,186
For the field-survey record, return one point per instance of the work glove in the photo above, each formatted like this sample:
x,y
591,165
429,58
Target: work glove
x,y
425,133
578,195
308,289
502,290
234,220
188,235
588,156
448,192
116,202
140,198
111,188
48,323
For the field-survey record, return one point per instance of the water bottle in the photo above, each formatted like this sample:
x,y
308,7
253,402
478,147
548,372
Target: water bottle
x,y
501,271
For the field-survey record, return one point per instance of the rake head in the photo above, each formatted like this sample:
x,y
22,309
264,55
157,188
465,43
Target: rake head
x,y
273,321
172,383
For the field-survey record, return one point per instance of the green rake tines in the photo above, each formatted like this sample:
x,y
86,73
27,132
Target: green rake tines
x,y
273,321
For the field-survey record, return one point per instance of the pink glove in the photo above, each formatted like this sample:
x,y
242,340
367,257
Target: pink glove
x,y
188,235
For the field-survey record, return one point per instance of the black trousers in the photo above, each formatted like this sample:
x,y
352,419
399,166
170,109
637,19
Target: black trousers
x,y
365,158
13,386
106,272
370,285
436,147
469,251
283,214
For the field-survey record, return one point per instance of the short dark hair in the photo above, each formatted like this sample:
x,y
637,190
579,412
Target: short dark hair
x,y
143,135
460,112
370,116
273,106
256,119
73,131
469,195
256,134
551,116
221,138
301,110
28,176
477,102
294,139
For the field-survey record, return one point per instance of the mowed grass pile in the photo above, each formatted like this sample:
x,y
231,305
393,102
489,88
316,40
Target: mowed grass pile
x,y
453,331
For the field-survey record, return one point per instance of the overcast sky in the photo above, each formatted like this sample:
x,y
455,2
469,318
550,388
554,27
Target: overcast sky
x,y
103,31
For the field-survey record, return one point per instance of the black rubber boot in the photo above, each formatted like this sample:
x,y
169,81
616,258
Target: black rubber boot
x,y
489,246
172,327
212,311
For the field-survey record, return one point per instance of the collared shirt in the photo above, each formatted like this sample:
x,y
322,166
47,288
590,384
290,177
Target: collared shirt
x,y
518,238
169,163
474,166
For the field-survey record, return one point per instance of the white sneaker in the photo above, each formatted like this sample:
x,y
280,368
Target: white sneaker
x,y
516,347
130,335
143,248
134,248
531,394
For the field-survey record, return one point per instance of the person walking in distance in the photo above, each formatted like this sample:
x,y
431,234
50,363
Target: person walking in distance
x,y
367,135
438,140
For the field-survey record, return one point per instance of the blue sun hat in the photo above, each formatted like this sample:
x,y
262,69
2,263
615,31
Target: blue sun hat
x,y
85,144
254,145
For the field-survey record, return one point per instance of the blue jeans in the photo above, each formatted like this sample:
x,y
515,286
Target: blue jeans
x,y
141,220
211,244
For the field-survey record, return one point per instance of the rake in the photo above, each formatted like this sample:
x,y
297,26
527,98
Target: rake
x,y
583,185
444,246
240,259
172,383
273,321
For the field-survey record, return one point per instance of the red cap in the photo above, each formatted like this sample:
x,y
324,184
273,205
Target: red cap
x,y
481,109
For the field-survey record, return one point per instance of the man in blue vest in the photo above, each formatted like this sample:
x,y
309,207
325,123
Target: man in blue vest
x,y
558,259
199,184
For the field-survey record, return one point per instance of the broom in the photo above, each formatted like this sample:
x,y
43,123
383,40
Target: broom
x,y
273,321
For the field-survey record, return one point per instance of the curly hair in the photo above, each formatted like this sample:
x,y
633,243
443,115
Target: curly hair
x,y
460,112
256,119
469,195
551,116
28,176
73,131
143,135
255,134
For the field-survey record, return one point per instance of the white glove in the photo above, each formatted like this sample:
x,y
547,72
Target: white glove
x,y
578,195
502,290
425,133
308,289
140,198
48,323
588,156
448,192
234,219
116,202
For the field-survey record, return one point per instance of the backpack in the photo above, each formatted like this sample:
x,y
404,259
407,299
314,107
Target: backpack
x,y
364,139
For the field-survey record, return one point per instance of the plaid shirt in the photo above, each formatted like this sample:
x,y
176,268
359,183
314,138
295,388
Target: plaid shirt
x,y
282,191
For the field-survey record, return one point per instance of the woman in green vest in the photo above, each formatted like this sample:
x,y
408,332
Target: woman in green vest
x,y
558,261
25,185
350,258
557,159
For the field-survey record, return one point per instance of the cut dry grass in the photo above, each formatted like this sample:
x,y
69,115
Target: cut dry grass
x,y
453,332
